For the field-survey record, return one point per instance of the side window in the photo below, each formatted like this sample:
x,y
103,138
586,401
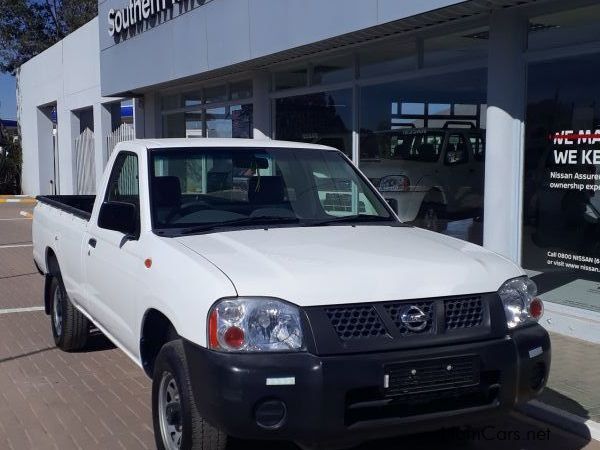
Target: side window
x,y
123,185
457,151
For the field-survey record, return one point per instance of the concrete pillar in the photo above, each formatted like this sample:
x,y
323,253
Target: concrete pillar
x,y
152,118
42,158
139,118
102,127
505,134
68,129
262,106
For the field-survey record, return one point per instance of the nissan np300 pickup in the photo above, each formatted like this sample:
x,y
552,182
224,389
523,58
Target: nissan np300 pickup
x,y
270,292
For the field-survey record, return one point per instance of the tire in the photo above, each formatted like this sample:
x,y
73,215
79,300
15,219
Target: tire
x,y
70,328
174,408
432,216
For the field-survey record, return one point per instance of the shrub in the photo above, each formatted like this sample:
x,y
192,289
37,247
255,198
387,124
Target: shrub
x,y
10,163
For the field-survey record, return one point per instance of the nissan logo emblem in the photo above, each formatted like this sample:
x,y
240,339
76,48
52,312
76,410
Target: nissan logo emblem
x,y
414,319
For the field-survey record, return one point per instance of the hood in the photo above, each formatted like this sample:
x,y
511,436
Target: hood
x,y
312,266
385,167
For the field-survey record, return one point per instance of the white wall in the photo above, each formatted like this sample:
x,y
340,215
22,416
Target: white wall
x,y
224,32
67,74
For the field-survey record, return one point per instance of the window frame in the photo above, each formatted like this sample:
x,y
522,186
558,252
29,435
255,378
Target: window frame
x,y
113,177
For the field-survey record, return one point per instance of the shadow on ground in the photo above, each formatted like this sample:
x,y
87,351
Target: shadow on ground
x,y
558,400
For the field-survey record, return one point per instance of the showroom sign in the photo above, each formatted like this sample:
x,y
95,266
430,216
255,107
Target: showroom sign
x,y
138,12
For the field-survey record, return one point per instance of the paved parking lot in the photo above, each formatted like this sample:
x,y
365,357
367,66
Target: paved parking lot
x,y
100,399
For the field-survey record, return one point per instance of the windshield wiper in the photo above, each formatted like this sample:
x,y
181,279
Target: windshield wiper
x,y
357,218
259,220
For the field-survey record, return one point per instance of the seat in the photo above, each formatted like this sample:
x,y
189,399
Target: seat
x,y
427,153
402,151
266,190
166,195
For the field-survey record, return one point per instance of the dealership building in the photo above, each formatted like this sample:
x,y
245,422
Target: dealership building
x,y
478,119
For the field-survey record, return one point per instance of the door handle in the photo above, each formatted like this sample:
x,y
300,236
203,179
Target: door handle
x,y
92,242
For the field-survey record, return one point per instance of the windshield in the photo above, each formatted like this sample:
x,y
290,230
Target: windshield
x,y
196,189
417,144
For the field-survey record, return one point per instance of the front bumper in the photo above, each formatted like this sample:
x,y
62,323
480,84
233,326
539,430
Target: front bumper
x,y
335,398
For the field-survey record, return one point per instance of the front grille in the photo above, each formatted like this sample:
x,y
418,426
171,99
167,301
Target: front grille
x,y
395,310
402,324
420,377
463,313
356,322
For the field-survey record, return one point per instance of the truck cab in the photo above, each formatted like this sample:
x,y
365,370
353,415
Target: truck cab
x,y
270,292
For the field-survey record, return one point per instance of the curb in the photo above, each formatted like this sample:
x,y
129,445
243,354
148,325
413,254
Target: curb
x,y
585,428
17,199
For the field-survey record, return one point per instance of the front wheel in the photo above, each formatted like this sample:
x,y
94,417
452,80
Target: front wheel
x,y
177,424
70,328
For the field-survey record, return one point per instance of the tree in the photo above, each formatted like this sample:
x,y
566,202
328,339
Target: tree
x,y
10,163
28,27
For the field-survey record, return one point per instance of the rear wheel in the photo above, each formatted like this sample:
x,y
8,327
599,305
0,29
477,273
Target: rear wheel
x,y
70,328
177,423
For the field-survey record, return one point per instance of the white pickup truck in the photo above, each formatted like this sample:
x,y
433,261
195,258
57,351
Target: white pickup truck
x,y
271,293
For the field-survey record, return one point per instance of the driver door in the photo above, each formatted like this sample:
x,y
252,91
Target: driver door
x,y
114,262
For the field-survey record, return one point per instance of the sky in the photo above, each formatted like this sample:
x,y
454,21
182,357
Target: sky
x,y
8,102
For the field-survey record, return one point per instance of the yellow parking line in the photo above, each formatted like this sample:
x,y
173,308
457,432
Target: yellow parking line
x,y
29,201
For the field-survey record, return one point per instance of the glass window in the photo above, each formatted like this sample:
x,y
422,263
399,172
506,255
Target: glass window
x,y
123,185
295,77
192,98
323,118
423,148
387,58
234,121
218,124
229,122
240,90
447,49
575,26
215,94
561,200
171,102
333,70
229,187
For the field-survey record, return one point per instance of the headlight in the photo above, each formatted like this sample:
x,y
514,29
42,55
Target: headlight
x,y
248,324
394,183
520,302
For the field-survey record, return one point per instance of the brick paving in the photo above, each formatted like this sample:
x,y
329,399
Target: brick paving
x,y
99,399
574,377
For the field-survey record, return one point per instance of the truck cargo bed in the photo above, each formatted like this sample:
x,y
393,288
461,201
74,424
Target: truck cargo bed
x,y
78,205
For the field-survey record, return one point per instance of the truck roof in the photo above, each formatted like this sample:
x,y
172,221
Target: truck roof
x,y
220,142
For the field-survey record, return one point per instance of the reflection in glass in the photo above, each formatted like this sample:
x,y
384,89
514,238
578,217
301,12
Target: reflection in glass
x,y
240,90
291,78
422,144
333,70
228,122
234,121
215,94
323,118
561,203
387,58
455,48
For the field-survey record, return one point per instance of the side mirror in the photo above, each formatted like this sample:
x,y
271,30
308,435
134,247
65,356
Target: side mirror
x,y
119,216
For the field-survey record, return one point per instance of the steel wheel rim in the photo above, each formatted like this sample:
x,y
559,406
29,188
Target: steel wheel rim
x,y
57,311
169,412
